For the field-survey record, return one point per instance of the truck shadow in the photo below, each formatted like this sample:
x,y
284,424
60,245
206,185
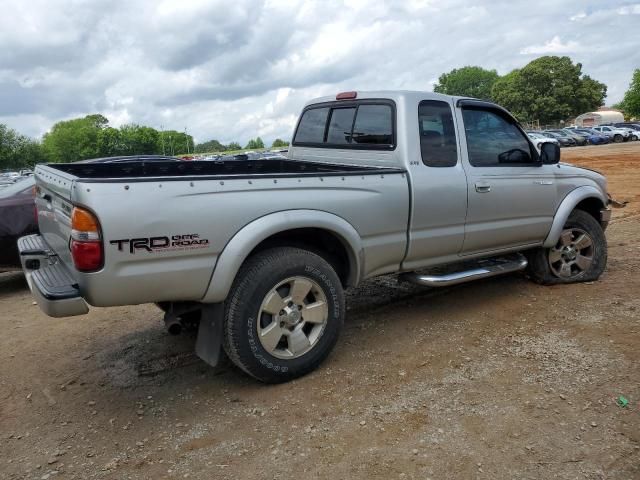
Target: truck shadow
x,y
150,357
12,282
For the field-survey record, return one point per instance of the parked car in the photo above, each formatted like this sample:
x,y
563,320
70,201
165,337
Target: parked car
x,y
593,138
616,134
261,251
633,126
578,139
563,140
17,218
634,135
538,139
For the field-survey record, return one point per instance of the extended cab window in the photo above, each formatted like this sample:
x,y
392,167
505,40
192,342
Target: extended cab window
x,y
437,134
359,125
493,140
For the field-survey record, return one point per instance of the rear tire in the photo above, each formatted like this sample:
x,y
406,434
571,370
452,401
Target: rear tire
x,y
579,256
284,314
617,138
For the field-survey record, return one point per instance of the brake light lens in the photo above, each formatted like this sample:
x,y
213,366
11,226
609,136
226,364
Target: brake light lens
x,y
86,241
346,96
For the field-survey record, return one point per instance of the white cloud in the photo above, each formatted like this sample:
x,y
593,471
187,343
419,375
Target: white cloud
x,y
552,47
234,70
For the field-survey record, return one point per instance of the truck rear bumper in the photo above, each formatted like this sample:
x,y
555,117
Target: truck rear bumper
x,y
51,285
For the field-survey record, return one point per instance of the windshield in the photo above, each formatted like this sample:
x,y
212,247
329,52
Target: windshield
x,y
17,187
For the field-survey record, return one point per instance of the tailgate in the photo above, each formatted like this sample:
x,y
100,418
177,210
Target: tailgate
x,y
53,201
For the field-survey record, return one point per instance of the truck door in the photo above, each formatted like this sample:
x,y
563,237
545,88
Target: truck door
x,y
512,196
438,184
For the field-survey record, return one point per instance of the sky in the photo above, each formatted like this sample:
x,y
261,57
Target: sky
x,y
233,70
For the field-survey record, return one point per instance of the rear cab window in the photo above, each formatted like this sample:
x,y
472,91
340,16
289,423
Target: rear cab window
x,y
367,124
437,134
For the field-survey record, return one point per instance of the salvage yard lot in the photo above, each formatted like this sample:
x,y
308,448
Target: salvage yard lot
x,y
496,379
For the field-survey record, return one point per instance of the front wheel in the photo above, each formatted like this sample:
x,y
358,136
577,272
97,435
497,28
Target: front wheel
x,y
284,314
580,255
617,138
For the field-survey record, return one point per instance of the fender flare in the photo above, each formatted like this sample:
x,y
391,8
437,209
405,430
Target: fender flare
x,y
567,206
251,235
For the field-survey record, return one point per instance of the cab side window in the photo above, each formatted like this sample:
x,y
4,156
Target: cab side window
x,y
494,141
437,134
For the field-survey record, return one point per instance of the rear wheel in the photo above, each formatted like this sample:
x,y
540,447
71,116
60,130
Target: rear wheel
x,y
284,314
580,255
617,138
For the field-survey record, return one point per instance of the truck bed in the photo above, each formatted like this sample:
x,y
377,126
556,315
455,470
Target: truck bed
x,y
204,170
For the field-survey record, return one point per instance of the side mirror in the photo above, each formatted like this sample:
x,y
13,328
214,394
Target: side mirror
x,y
549,153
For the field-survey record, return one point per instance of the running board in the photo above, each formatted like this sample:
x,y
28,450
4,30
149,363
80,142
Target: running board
x,y
483,269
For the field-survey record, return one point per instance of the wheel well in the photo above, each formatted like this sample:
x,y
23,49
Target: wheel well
x,y
592,206
322,242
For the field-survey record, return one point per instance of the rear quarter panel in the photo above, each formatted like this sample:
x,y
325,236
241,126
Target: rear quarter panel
x,y
215,210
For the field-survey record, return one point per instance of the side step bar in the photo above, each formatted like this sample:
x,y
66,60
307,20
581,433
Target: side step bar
x,y
482,269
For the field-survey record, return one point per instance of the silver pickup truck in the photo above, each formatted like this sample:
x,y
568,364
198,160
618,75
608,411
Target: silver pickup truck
x,y
257,254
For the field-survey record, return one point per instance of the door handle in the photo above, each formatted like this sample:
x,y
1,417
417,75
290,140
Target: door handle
x,y
482,187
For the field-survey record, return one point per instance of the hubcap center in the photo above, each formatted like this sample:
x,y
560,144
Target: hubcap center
x,y
570,253
291,316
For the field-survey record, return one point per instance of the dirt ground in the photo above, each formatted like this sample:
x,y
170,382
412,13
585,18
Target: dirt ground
x,y
496,379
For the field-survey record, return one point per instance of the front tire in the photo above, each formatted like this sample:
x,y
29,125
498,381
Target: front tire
x,y
579,256
617,138
284,314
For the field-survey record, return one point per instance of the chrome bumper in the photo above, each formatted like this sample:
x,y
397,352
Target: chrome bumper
x,y
51,285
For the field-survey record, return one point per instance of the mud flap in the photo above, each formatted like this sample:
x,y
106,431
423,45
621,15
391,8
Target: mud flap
x,y
210,331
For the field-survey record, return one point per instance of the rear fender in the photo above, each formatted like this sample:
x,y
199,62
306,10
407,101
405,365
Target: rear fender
x,y
251,235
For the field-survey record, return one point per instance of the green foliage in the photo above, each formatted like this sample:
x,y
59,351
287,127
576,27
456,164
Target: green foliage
x,y
467,82
72,140
210,146
278,143
172,142
631,102
255,144
17,151
548,89
234,146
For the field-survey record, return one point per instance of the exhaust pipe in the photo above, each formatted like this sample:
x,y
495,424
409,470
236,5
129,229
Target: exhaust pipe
x,y
172,324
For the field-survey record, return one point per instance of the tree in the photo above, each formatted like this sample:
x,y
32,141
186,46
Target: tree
x,y
18,151
278,143
234,146
548,89
139,140
255,144
631,101
172,142
72,140
467,82
210,146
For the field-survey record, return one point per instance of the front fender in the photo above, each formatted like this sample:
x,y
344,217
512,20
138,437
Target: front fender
x,y
566,207
244,241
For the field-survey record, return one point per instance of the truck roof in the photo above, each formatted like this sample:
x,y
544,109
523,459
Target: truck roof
x,y
395,95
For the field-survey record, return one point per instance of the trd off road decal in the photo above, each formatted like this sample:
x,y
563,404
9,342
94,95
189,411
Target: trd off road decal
x,y
174,243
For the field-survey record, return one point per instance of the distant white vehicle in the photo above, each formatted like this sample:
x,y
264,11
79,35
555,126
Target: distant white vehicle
x,y
538,139
616,134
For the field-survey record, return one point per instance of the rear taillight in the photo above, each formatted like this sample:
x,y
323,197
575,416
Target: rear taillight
x,y
86,241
